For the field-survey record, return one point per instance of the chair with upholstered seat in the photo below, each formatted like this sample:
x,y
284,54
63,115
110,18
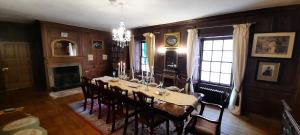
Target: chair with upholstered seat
x,y
89,92
126,104
200,125
106,97
144,105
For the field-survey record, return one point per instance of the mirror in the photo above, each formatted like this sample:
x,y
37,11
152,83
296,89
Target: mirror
x,y
171,60
64,47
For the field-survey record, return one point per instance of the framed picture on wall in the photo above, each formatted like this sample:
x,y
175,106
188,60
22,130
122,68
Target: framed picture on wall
x,y
172,40
268,71
273,45
98,44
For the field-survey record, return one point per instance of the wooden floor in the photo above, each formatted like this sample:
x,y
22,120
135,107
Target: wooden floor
x,y
59,120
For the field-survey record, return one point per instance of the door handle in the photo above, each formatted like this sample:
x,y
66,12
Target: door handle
x,y
4,69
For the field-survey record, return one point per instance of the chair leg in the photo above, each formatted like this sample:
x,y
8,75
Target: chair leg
x,y
108,113
125,125
167,127
92,105
99,103
84,104
136,130
151,130
114,118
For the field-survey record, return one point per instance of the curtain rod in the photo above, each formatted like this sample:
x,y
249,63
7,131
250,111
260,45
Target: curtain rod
x,y
199,28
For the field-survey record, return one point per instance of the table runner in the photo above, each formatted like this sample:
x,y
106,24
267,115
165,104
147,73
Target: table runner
x,y
170,96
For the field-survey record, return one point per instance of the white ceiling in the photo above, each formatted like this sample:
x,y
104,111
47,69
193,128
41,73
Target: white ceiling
x,y
104,15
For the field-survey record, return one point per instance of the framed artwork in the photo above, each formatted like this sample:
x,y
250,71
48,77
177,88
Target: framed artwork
x,y
273,45
98,44
172,40
268,71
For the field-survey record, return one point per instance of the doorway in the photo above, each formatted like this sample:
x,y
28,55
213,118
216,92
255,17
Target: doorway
x,y
15,66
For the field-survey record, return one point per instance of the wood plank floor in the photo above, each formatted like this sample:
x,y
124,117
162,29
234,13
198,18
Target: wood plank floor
x,y
59,120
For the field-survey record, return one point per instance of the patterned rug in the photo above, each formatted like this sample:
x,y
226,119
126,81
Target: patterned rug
x,y
102,127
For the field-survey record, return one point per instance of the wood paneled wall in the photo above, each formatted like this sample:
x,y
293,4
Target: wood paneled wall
x,y
83,37
259,97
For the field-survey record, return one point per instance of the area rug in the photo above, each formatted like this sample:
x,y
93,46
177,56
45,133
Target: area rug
x,y
64,93
103,128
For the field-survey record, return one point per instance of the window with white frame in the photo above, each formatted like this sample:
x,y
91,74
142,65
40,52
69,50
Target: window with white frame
x,y
216,60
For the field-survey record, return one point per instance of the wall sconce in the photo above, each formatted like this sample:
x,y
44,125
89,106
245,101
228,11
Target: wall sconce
x,y
161,50
181,50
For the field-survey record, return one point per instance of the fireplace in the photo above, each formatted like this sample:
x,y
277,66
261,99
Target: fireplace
x,y
63,77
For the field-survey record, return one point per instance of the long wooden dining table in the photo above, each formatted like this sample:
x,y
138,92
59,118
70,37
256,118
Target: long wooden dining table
x,y
173,105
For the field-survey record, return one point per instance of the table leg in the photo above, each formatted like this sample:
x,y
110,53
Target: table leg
x,y
179,124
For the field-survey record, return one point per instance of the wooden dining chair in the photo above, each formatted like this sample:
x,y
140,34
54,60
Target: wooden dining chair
x,y
144,105
106,97
201,125
126,104
89,92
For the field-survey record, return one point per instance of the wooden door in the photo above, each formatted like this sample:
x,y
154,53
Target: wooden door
x,y
15,65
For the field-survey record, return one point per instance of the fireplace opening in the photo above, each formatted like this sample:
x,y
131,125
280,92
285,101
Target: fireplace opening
x,y
66,77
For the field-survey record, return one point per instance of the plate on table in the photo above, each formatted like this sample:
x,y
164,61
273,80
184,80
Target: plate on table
x,y
133,85
114,80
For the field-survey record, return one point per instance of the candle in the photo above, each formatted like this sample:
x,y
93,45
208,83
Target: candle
x,y
119,68
124,70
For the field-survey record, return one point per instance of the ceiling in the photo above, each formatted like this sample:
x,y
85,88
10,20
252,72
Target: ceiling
x,y
106,14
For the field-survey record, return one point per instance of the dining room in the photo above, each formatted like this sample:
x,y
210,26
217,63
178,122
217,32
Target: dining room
x,y
149,67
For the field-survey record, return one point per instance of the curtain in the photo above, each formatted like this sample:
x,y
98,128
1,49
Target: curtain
x,y
192,45
150,40
131,55
240,49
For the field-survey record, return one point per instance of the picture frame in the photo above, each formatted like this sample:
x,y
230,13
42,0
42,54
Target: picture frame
x,y
268,71
98,44
172,40
273,45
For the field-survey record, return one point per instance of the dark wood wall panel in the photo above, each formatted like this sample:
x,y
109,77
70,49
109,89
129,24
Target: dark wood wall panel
x,y
84,39
259,97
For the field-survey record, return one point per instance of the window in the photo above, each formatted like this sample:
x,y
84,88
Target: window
x,y
216,61
144,58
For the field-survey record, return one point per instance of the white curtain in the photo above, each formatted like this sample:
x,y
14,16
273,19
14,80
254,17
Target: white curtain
x,y
192,45
132,56
150,40
240,49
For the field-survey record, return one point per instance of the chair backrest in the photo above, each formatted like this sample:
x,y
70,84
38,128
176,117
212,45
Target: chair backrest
x,y
85,79
104,89
143,102
120,94
86,90
220,106
289,125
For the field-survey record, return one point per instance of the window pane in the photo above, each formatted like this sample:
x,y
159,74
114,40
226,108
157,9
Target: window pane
x,y
218,45
227,56
144,61
207,45
215,66
226,67
207,55
228,44
225,79
215,77
217,56
205,76
205,66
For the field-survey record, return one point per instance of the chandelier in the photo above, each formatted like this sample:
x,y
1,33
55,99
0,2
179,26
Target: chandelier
x,y
121,36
